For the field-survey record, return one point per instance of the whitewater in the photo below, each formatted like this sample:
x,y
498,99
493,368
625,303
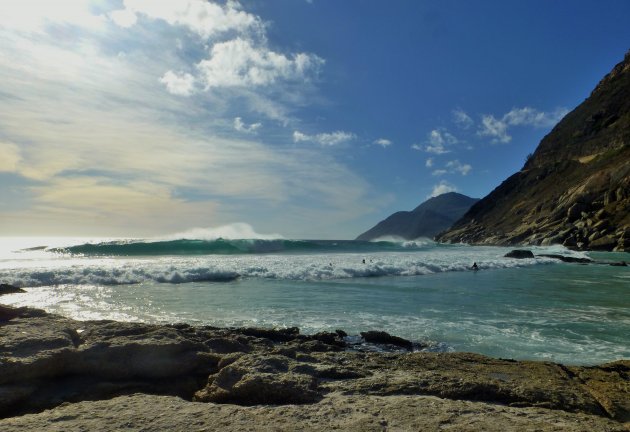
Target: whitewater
x,y
535,308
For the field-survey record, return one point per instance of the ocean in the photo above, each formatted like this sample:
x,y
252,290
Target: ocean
x,y
537,308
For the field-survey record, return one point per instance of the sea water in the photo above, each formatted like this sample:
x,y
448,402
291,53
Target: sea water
x,y
535,308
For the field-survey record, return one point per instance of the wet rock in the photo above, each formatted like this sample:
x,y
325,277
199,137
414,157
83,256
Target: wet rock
x,y
341,333
568,259
381,337
520,254
8,313
329,338
276,335
10,289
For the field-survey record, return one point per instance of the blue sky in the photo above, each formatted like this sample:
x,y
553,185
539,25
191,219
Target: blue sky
x,y
308,119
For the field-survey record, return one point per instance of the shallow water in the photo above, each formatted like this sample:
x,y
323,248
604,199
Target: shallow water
x,y
523,309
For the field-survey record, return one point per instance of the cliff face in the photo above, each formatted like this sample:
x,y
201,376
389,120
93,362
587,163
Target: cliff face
x,y
574,190
429,218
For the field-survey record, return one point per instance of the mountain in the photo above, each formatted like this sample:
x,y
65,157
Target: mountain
x,y
429,218
574,189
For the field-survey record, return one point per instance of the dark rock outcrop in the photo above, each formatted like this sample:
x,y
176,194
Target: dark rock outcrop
x,y
575,188
568,259
429,218
384,338
520,254
10,289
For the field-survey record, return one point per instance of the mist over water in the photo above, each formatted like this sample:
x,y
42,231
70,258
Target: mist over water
x,y
525,309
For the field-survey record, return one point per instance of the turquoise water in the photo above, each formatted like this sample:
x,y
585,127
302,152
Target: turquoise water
x,y
523,309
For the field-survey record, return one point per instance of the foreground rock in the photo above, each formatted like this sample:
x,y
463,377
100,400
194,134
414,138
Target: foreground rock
x,y
47,360
140,412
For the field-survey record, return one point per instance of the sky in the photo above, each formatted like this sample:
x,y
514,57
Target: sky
x,y
296,118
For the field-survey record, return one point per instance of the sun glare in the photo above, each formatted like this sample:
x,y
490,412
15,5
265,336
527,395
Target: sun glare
x,y
32,15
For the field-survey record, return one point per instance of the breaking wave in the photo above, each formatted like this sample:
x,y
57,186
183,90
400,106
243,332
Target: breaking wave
x,y
222,246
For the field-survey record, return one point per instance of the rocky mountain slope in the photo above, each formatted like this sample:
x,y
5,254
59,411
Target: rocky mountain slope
x,y
429,218
575,188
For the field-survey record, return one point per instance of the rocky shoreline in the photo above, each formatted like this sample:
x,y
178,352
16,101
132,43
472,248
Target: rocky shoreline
x,y
61,374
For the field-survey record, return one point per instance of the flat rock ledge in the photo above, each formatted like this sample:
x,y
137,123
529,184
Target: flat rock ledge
x,y
61,374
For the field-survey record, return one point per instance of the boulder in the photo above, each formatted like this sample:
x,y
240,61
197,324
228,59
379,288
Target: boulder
x,y
575,211
255,379
606,243
10,289
519,254
381,337
568,259
8,313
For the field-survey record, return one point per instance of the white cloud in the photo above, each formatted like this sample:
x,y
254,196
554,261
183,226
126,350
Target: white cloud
x,y
300,137
532,117
124,18
383,142
497,129
494,128
457,166
242,127
452,167
442,188
324,139
437,139
202,17
238,63
462,119
182,84
235,54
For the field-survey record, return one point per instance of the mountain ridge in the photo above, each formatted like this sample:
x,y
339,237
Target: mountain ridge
x,y
426,220
574,189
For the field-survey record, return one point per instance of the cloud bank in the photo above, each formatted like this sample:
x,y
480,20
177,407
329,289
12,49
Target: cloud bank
x,y
135,123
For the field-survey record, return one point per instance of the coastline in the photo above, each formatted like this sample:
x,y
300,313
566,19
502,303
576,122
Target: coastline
x,y
68,374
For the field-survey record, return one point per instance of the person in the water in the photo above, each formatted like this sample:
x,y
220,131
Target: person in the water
x,y
474,266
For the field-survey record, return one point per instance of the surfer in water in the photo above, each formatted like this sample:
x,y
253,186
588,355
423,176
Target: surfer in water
x,y
475,266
